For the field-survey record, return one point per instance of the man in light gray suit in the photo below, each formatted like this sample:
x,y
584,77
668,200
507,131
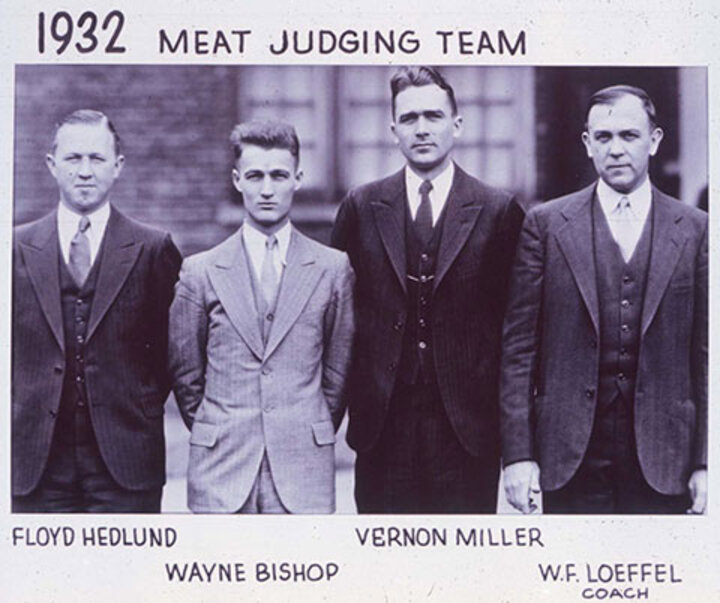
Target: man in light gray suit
x,y
260,336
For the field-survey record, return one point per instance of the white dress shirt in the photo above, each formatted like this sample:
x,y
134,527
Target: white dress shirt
x,y
254,242
438,195
69,221
626,233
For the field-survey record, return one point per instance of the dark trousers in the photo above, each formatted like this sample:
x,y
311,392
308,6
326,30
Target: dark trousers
x,y
76,480
609,479
419,466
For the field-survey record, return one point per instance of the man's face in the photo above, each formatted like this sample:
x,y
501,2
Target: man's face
x,y
85,165
267,179
620,141
424,126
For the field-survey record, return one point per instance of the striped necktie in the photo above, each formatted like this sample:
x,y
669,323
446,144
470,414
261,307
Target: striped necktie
x,y
79,259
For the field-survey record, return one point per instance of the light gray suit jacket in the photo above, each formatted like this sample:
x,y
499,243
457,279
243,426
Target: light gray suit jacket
x,y
241,397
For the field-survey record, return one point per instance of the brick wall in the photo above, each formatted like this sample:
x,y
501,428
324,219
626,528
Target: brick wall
x,y
174,124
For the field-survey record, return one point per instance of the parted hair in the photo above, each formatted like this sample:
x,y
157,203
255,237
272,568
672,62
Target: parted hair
x,y
609,95
86,116
266,134
420,75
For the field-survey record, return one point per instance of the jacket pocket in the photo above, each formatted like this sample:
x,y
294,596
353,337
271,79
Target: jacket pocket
x,y
203,434
324,433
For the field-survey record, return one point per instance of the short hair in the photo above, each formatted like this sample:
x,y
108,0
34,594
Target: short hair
x,y
266,134
609,95
421,75
87,116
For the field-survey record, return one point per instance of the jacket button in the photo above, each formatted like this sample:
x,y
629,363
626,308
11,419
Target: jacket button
x,y
589,393
58,370
392,366
621,376
266,370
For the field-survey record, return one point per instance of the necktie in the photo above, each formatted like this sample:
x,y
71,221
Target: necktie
x,y
79,259
424,217
624,227
269,276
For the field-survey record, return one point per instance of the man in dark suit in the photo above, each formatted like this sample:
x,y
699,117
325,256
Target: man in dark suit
x,y
604,370
431,248
91,291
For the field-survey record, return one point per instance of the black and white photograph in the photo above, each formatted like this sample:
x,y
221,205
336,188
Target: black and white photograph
x,y
385,302
482,267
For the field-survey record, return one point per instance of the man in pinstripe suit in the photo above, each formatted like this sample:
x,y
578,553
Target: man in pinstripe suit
x,y
91,290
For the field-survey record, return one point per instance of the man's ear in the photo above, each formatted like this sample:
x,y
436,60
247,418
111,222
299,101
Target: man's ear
x,y
236,179
586,141
119,163
394,133
51,165
457,126
656,137
299,175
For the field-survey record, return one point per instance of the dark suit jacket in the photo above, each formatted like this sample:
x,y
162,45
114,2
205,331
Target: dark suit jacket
x,y
551,352
473,264
126,349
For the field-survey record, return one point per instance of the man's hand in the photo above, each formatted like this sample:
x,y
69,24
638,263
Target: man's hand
x,y
698,491
522,485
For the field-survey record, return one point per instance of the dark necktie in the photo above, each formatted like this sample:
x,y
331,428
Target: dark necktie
x,y
424,217
79,259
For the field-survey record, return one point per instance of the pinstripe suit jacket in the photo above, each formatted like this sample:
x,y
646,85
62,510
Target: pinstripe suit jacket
x,y
242,397
469,292
126,349
551,352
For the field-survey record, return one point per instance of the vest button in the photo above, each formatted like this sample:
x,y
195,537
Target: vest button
x,y
625,303
621,377
80,404
624,328
270,317
423,278
58,370
266,370
398,325
424,257
392,366
422,345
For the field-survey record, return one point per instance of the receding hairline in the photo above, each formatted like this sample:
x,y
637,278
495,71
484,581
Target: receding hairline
x,y
102,121
612,95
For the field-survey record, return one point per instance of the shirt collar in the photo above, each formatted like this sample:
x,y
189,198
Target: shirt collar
x,y
441,183
639,199
68,219
253,237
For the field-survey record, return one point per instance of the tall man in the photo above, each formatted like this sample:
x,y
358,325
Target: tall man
x,y
432,248
91,291
260,337
604,373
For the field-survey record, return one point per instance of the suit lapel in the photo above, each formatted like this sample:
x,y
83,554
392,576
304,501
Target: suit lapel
x,y
575,240
120,251
461,213
42,257
298,283
667,244
230,276
389,213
